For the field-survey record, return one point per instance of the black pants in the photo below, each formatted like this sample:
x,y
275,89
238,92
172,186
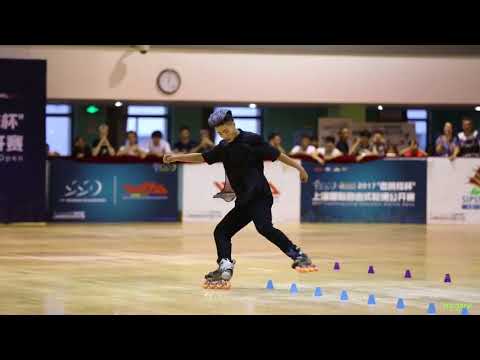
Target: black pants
x,y
260,212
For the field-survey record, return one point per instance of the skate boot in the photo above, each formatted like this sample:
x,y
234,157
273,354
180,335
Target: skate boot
x,y
220,278
303,264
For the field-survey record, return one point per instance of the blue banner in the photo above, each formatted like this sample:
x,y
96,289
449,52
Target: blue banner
x,y
384,191
113,192
22,140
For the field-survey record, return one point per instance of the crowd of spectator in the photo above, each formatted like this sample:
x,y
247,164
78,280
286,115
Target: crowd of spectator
x,y
157,146
464,144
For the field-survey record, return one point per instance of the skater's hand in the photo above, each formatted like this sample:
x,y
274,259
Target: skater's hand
x,y
303,176
168,158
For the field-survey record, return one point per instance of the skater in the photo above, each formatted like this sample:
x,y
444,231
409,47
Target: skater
x,y
242,154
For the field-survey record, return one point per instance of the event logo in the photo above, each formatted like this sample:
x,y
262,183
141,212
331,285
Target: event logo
x,y
220,185
475,180
472,200
145,191
86,191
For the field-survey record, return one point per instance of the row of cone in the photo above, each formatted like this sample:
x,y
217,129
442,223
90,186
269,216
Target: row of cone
x,y
371,298
408,274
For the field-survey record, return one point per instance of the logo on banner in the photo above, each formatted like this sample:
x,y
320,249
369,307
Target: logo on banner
x,y
145,191
11,144
377,193
335,169
164,167
86,191
472,200
220,185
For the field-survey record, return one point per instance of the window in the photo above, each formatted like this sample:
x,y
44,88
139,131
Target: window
x,y
146,119
246,118
59,128
419,118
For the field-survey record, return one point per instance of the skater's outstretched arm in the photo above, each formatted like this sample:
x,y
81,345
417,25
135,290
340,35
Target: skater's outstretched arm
x,y
189,158
290,162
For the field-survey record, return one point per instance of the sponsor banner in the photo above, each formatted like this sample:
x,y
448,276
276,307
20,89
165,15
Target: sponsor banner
x,y
113,192
22,140
384,191
201,182
453,191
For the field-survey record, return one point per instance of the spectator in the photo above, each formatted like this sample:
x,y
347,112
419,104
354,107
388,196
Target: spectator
x,y
275,140
392,151
447,144
131,147
101,146
51,153
469,140
81,149
314,142
185,144
157,146
329,152
379,146
306,149
342,145
205,142
362,146
413,151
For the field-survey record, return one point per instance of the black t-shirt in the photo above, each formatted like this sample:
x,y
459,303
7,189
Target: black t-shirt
x,y
103,150
343,147
181,147
243,162
86,151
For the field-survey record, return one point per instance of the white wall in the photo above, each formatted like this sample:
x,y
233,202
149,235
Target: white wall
x,y
116,73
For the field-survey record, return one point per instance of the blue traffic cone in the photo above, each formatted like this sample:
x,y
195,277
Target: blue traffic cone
x,y
465,311
371,300
343,296
270,285
318,292
431,309
293,289
400,304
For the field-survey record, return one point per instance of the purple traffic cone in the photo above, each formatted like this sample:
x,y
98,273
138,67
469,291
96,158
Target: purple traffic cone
x,y
447,279
370,270
408,275
336,266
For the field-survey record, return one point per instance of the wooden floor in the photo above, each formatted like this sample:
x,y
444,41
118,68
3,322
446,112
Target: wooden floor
x,y
158,269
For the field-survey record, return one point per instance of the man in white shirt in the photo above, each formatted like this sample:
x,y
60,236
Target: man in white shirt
x,y
157,146
329,152
131,148
306,149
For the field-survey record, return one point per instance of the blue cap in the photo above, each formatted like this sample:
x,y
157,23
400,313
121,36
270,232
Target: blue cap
x,y
219,116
